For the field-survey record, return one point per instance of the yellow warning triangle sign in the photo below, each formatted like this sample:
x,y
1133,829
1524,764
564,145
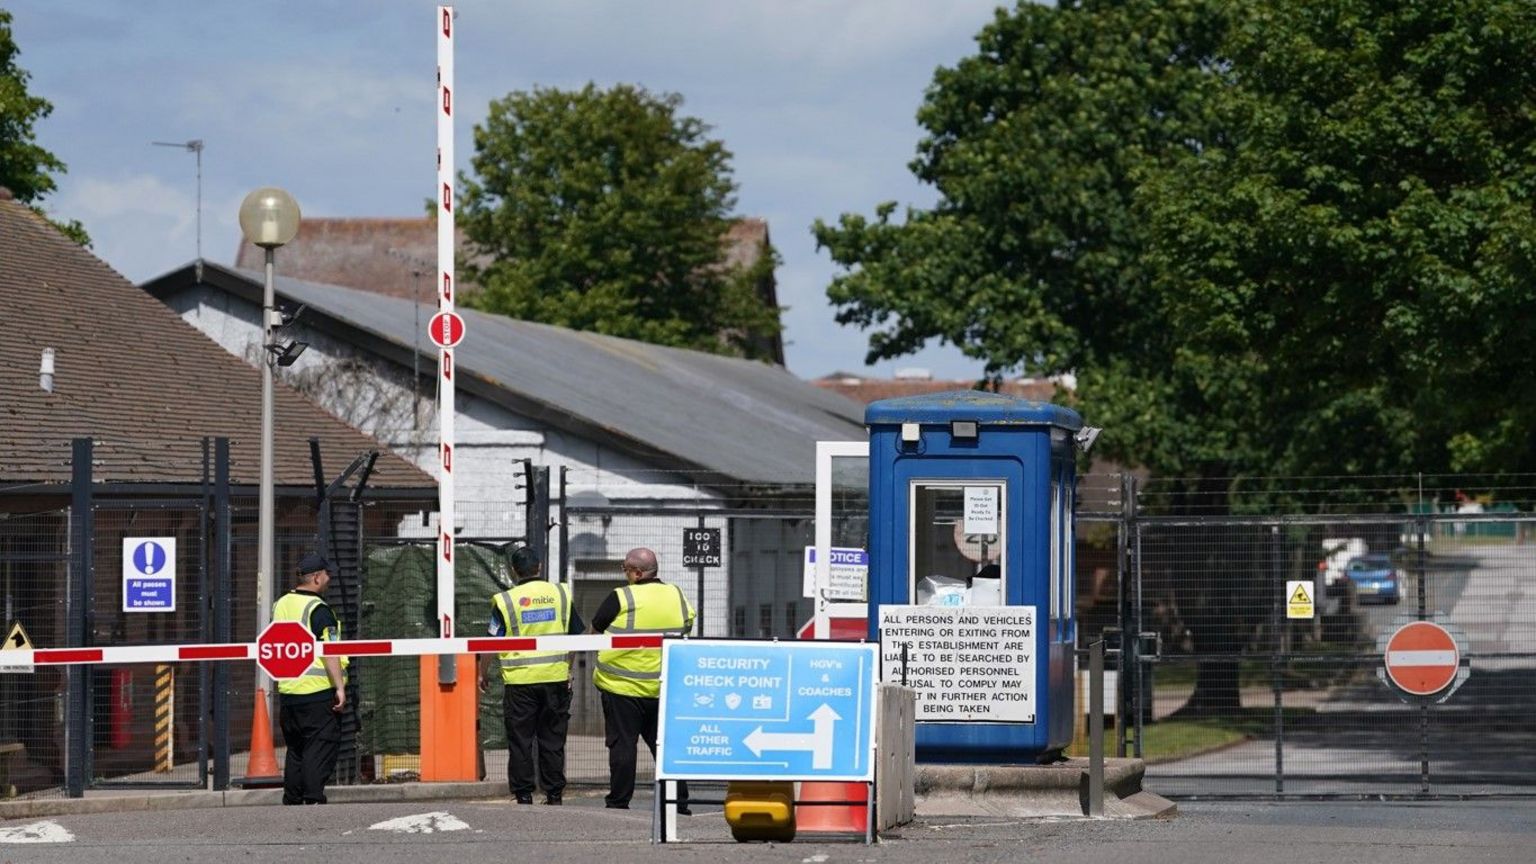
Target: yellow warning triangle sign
x,y
1300,595
17,640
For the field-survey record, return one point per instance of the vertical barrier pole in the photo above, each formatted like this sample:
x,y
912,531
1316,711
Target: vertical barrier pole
x,y
445,303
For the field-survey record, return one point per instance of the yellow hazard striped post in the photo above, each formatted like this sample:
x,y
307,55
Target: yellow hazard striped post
x,y
165,717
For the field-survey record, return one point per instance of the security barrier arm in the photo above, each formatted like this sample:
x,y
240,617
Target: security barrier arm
x,y
120,654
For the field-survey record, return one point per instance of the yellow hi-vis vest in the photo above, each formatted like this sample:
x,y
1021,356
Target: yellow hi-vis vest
x,y
299,607
644,608
534,608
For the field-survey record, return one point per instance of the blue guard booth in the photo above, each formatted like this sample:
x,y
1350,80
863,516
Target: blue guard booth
x,y
971,561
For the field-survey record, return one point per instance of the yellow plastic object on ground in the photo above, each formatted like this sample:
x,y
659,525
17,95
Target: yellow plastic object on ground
x,y
760,811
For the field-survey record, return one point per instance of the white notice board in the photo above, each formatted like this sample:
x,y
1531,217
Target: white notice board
x,y
967,663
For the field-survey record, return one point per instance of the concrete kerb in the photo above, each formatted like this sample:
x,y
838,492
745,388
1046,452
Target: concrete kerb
x,y
1026,791
126,801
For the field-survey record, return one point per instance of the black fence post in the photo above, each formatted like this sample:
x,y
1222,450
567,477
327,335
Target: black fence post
x,y
537,527
77,615
565,531
222,600
1123,691
699,589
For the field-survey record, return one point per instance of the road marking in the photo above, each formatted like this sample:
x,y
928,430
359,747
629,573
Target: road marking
x,y
36,832
423,823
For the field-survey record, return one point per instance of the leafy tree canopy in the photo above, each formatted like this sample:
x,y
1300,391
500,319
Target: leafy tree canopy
x,y
26,169
1270,238
607,210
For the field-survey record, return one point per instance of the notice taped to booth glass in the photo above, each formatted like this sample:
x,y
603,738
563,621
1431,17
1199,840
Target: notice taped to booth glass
x,y
967,664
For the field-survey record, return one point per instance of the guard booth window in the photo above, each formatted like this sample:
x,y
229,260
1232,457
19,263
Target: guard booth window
x,y
957,538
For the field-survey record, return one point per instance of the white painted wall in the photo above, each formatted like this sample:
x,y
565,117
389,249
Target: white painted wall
x,y
376,396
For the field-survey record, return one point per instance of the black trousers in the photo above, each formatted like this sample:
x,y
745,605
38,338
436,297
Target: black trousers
x,y
312,732
626,718
536,713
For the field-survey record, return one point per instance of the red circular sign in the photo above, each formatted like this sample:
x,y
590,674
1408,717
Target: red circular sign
x,y
446,329
285,649
1422,658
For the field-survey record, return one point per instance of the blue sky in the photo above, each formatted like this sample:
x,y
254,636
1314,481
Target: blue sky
x,y
333,101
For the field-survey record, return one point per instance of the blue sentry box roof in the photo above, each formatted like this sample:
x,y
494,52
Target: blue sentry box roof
x,y
979,405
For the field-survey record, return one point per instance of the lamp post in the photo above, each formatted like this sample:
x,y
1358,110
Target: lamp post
x,y
269,217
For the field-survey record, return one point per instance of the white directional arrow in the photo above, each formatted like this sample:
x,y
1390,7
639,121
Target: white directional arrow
x,y
818,741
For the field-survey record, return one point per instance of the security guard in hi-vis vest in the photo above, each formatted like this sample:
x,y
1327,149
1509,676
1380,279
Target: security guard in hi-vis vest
x,y
536,704
312,703
630,680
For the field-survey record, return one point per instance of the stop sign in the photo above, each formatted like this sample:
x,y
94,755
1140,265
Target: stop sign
x,y
446,329
285,649
1422,658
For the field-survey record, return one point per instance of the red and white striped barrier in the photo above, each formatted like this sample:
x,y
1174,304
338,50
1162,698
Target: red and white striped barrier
x,y
349,648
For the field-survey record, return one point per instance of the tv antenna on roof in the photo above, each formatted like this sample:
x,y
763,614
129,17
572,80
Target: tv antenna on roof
x,y
194,146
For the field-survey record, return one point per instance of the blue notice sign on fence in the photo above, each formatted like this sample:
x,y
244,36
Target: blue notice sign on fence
x,y
733,709
149,574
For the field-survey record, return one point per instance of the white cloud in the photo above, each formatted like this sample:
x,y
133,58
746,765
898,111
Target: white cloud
x,y
333,101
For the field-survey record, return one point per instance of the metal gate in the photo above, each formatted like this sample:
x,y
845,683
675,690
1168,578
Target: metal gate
x,y
147,721
1226,696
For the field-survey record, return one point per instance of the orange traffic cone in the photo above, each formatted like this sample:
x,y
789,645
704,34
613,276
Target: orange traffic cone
x,y
261,768
849,818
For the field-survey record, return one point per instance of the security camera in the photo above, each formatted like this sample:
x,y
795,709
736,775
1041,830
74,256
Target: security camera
x,y
1086,436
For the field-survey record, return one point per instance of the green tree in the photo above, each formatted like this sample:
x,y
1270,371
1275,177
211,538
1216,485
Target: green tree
x,y
1034,257
1271,239
1360,246
26,169
607,210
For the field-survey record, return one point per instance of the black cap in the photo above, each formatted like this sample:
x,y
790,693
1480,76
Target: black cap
x,y
313,562
526,561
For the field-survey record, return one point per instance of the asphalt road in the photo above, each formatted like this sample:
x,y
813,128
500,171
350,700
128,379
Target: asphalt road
x,y
493,832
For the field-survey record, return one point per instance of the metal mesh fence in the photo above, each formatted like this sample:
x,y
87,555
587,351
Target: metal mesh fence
x,y
1217,687
146,719
34,562
1239,699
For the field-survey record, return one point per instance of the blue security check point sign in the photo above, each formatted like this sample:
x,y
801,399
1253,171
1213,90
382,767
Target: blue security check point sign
x,y
749,710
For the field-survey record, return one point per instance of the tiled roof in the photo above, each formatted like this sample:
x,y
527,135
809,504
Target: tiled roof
x,y
144,384
398,258
385,255
867,390
395,257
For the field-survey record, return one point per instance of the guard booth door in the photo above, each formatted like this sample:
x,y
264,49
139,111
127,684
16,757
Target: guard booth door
x,y
842,522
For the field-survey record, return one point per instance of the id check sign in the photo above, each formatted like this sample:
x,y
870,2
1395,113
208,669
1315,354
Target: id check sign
x,y
748,710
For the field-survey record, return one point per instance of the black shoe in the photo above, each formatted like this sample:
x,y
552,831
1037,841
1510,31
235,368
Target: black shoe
x,y
612,806
525,799
682,810
553,800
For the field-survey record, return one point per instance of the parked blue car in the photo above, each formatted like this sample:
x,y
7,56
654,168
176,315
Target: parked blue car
x,y
1374,578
